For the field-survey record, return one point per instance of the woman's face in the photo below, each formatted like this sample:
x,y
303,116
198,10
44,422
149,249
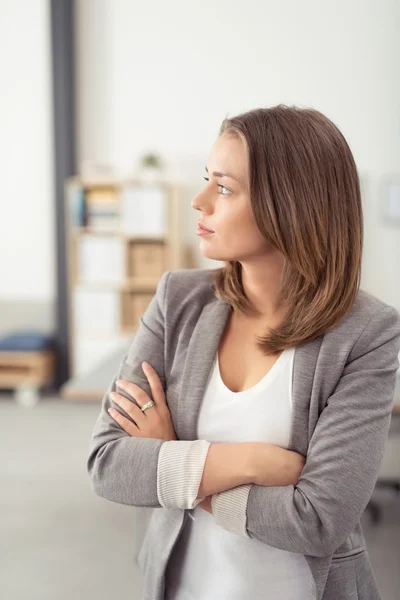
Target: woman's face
x,y
224,205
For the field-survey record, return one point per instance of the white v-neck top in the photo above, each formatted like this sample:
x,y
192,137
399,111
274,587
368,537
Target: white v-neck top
x,y
208,562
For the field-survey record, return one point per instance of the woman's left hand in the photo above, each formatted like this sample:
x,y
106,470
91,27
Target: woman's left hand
x,y
154,422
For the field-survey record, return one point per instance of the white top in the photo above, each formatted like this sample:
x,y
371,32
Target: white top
x,y
217,564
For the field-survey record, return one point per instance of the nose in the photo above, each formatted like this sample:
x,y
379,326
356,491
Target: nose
x,y
202,201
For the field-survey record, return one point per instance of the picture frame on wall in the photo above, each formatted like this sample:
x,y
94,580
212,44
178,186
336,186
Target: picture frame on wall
x,y
390,191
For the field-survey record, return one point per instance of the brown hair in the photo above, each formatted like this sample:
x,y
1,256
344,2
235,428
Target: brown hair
x,y
305,195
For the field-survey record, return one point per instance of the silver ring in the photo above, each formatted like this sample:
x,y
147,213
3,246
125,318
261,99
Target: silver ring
x,y
147,405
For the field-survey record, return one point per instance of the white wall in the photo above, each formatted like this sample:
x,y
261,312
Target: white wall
x,y
27,246
163,75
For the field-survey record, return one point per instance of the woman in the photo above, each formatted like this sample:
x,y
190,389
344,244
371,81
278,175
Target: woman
x,y
253,407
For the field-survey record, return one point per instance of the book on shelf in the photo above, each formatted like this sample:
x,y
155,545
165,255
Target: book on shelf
x,y
76,205
102,208
103,221
134,208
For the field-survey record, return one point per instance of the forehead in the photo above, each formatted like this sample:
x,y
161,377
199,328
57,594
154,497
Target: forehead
x,y
228,155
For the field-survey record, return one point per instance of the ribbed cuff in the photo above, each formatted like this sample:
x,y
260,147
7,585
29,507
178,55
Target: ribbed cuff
x,y
179,472
229,509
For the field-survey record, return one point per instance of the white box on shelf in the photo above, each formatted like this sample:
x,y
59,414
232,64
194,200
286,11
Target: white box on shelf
x,y
101,259
144,210
96,310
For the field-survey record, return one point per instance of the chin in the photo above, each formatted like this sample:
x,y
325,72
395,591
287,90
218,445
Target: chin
x,y
208,251
214,256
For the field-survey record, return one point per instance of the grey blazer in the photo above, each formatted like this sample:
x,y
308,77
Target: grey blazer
x,y
343,390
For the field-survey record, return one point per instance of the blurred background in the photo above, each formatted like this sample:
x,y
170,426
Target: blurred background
x,y
108,110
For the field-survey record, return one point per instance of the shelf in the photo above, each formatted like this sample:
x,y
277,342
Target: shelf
x,y
118,183
93,383
80,231
101,334
141,285
129,285
114,269
33,368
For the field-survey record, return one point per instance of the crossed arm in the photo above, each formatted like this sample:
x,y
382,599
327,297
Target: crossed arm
x,y
190,472
311,516
135,457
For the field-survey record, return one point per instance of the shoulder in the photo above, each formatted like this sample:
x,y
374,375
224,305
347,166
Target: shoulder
x,y
182,295
370,323
189,284
369,307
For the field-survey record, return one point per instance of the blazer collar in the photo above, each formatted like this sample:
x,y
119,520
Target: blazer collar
x,y
199,360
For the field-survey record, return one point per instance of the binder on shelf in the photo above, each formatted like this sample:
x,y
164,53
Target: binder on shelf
x,y
144,210
101,259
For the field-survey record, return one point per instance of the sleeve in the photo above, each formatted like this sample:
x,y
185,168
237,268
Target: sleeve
x,y
180,469
344,455
144,471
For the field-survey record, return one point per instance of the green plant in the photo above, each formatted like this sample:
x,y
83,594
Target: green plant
x,y
151,159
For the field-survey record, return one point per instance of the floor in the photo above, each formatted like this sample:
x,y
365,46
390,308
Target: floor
x,y
59,541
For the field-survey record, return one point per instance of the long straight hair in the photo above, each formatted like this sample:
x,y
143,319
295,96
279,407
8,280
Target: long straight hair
x,y
304,191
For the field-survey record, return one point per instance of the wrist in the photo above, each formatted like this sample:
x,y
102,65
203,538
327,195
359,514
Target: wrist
x,y
254,456
272,465
246,459
227,465
261,462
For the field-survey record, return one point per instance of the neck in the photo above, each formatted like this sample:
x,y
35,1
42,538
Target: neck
x,y
260,280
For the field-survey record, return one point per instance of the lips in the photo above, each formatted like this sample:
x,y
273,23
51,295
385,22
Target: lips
x,y
201,226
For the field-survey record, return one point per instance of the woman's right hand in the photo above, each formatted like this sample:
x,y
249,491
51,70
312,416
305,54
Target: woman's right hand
x,y
276,466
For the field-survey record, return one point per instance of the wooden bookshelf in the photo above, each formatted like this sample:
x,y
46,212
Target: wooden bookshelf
x,y
114,263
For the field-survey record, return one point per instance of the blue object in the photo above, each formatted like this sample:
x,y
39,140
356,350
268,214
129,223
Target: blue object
x,y
26,341
77,206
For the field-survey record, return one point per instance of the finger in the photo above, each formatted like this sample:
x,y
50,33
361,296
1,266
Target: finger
x,y
130,408
125,423
156,387
134,391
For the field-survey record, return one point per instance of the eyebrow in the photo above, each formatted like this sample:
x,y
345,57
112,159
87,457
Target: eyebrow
x,y
218,174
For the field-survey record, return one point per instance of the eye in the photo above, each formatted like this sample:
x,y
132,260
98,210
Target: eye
x,y
220,186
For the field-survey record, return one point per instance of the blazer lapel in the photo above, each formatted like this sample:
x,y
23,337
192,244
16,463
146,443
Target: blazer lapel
x,y
200,355
304,365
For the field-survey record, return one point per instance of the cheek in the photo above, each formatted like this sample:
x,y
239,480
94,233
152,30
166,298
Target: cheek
x,y
241,224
